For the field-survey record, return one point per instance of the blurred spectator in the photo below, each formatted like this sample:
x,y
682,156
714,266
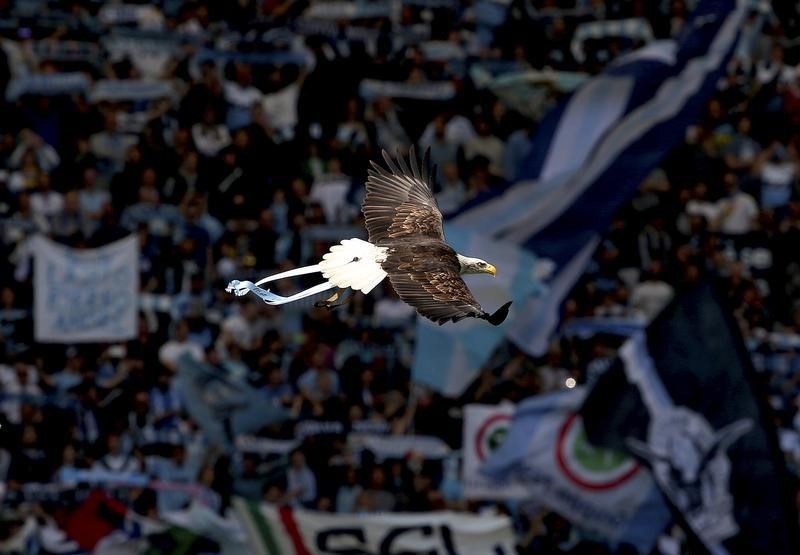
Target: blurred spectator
x,y
209,135
178,346
32,145
389,132
110,146
115,458
484,143
742,150
737,211
651,294
318,379
72,374
453,192
174,469
245,329
348,492
18,380
777,170
45,202
655,244
375,498
301,484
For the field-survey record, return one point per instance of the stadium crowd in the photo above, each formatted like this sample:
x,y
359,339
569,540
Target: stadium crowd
x,y
233,139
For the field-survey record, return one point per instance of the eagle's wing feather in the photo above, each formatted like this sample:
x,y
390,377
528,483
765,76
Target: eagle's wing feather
x,y
429,281
399,201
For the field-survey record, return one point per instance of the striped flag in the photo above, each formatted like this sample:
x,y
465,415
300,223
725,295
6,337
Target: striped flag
x,y
588,157
273,530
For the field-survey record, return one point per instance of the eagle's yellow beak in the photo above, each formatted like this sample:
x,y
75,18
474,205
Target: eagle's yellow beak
x,y
491,270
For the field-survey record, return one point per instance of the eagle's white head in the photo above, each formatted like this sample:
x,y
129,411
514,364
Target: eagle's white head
x,y
475,266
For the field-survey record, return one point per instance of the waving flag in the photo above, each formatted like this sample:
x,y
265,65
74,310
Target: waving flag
x,y
545,457
680,398
224,407
588,157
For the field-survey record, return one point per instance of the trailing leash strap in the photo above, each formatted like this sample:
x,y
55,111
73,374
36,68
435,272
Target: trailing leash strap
x,y
240,288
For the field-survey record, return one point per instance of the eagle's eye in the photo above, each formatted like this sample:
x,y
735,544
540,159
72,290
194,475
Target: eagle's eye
x,y
482,264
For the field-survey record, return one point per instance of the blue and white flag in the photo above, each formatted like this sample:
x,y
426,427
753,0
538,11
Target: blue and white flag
x,y
546,457
681,398
590,155
85,295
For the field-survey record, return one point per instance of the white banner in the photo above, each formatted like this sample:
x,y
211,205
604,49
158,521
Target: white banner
x,y
85,295
275,530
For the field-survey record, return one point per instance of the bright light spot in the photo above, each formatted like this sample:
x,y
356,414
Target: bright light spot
x,y
570,383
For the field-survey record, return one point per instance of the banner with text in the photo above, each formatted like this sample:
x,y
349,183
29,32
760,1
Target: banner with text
x,y
275,530
85,295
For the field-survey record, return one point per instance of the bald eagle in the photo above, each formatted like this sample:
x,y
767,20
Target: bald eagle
x,y
406,243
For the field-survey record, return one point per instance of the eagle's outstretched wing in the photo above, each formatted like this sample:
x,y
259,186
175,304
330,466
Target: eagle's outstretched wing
x,y
401,214
426,276
399,201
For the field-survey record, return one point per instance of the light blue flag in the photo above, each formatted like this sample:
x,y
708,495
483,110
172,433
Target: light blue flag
x,y
224,407
605,493
590,154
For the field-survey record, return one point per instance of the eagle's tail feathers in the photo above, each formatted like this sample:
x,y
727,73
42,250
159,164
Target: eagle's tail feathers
x,y
354,263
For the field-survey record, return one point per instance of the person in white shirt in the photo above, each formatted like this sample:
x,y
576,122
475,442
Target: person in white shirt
x,y
46,156
116,459
737,212
180,344
209,136
21,379
241,95
486,144
651,294
280,102
457,130
777,168
246,329
45,202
